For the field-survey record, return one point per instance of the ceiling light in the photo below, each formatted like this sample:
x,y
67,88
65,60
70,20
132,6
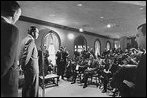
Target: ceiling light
x,y
52,15
79,4
81,29
108,25
141,8
102,17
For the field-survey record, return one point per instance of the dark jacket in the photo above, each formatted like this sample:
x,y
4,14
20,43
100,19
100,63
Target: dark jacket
x,y
141,78
9,68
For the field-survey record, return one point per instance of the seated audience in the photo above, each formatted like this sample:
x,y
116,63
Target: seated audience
x,y
91,69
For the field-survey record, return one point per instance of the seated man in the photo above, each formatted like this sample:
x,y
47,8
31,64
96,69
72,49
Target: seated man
x,y
106,73
91,69
80,67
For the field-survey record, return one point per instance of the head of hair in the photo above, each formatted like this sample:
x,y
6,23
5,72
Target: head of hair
x,y
61,48
142,28
46,53
32,30
8,8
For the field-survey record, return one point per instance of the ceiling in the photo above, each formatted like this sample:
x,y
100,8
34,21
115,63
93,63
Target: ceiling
x,y
92,16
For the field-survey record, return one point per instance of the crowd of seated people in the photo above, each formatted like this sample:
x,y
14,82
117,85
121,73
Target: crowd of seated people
x,y
112,67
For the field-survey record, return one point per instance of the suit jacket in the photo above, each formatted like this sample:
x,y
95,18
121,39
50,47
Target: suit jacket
x,y
141,77
94,64
29,54
9,68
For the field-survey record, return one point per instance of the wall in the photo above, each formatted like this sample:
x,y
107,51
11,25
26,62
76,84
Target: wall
x,y
123,42
23,27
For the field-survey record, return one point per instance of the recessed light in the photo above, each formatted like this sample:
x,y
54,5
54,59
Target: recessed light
x,y
108,25
81,29
79,4
51,15
141,8
102,17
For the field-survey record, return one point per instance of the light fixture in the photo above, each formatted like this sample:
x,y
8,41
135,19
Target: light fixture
x,y
51,15
70,36
81,29
141,8
79,4
101,17
108,25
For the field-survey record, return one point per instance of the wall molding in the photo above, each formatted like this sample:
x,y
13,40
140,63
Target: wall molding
x,y
41,22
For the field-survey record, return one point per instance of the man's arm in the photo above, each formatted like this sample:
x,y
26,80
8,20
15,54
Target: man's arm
x,y
11,50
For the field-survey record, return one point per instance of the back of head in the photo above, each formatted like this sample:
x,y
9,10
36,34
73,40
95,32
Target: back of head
x,y
32,29
8,8
142,28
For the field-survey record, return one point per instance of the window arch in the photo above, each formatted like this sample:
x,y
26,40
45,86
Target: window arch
x,y
108,45
51,42
80,43
116,44
97,47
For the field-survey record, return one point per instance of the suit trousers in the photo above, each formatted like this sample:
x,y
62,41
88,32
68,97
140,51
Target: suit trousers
x,y
31,84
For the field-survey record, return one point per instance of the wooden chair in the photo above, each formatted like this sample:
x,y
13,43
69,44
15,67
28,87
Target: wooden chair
x,y
48,78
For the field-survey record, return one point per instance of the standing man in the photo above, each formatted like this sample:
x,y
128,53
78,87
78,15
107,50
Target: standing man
x,y
58,55
126,72
65,55
10,13
29,63
140,88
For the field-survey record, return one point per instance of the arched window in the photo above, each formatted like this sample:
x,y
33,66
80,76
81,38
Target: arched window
x,y
80,43
108,45
97,47
52,43
116,44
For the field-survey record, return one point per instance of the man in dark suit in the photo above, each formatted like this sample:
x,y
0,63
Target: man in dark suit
x,y
58,55
140,88
137,81
64,62
91,69
10,13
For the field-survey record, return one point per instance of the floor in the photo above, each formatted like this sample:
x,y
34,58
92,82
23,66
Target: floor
x,y
66,89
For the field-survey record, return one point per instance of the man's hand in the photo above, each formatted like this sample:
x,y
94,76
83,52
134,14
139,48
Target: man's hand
x,y
128,83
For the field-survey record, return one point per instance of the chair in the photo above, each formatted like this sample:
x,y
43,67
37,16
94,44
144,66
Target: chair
x,y
79,76
47,78
96,77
